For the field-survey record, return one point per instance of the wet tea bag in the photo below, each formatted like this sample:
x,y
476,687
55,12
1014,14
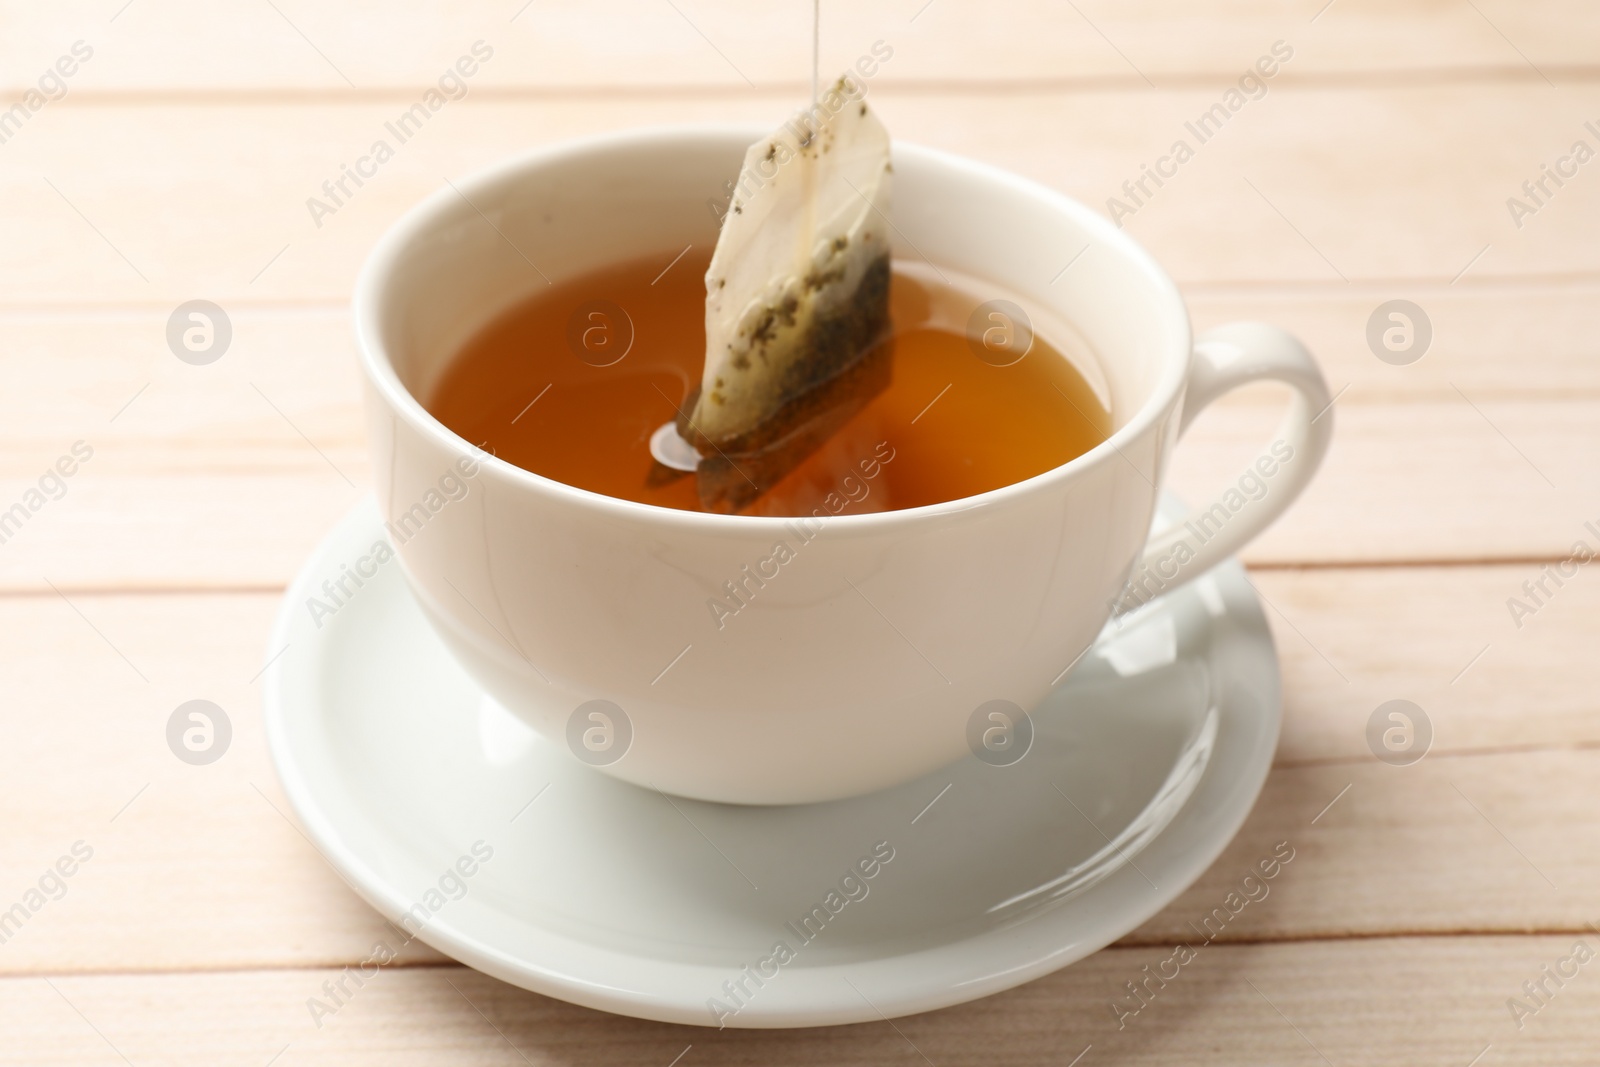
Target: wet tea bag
x,y
797,300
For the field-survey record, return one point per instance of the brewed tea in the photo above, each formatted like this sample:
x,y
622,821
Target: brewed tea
x,y
571,383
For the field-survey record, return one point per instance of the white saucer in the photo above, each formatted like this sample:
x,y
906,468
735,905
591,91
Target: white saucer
x,y
1144,764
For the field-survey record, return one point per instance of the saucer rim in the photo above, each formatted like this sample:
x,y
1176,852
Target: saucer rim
x,y
921,978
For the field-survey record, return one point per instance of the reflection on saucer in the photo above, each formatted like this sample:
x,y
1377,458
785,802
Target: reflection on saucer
x,y
502,737
1143,764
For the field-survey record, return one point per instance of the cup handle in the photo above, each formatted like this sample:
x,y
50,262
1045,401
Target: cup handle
x,y
1225,359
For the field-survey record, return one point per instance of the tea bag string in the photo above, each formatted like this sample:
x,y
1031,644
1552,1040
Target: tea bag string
x,y
806,172
816,46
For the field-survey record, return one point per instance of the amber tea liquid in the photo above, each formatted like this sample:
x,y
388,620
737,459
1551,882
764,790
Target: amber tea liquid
x,y
530,389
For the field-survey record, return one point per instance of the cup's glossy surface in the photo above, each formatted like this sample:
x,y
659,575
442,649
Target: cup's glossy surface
x,y
865,643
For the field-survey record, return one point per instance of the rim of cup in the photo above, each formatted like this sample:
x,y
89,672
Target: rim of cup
x,y
372,290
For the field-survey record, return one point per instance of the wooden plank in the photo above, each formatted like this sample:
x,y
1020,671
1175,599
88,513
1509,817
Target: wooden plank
x,y
1447,481
227,474
1535,340
1455,842
1446,638
176,848
244,504
222,475
92,683
1400,1002
82,368
719,43
212,199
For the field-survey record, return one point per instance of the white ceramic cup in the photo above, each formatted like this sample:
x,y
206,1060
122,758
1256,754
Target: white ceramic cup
x,y
862,659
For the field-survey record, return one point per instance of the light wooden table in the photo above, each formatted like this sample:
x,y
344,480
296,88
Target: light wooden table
x,y
1377,166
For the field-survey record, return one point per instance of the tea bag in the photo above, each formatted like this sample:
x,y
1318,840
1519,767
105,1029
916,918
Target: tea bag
x,y
797,300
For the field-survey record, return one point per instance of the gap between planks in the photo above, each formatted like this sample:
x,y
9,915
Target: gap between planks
x,y
1131,942
404,92
273,588
1438,754
1377,288
47,592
